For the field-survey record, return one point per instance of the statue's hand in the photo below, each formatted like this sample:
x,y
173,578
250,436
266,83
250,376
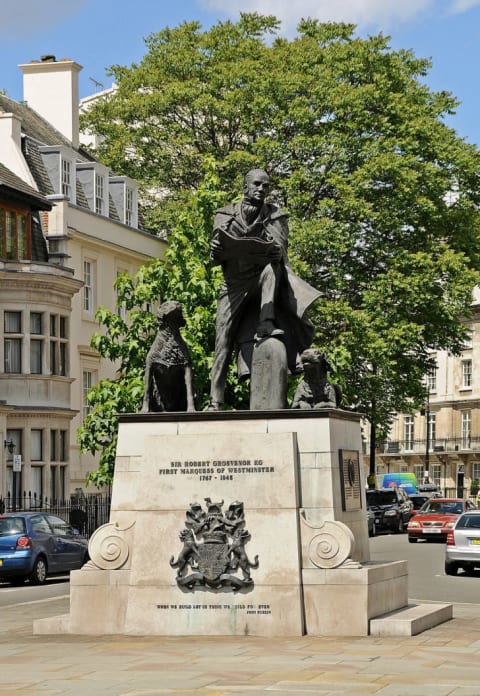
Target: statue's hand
x,y
216,250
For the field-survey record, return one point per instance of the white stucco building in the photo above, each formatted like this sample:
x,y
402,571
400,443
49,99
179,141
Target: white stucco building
x,y
444,438
87,218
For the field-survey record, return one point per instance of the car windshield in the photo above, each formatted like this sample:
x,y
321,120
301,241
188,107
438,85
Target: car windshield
x,y
418,501
469,522
444,507
381,497
12,525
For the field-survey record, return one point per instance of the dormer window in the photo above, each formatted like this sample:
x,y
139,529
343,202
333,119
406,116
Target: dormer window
x,y
66,178
99,194
93,178
59,163
129,206
125,198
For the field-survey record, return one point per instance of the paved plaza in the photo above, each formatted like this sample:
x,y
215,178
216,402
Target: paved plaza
x,y
443,661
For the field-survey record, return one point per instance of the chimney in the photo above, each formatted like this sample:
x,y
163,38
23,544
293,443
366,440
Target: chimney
x,y
50,87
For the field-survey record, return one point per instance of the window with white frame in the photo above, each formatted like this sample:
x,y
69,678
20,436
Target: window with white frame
x,y
466,373
66,181
408,432
12,342
87,383
36,445
53,445
36,482
62,481
418,471
88,285
436,474
432,380
58,345
129,206
466,425
99,194
63,445
36,356
432,429
476,470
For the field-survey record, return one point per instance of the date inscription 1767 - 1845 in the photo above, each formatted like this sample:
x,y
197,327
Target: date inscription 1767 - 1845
x,y
213,554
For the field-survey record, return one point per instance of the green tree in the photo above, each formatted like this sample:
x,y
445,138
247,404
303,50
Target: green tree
x,y
383,195
186,276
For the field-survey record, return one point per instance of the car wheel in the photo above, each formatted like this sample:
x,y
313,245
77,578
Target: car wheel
x,y
451,568
412,540
39,572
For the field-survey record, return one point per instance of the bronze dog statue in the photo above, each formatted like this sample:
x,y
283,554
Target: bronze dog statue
x,y
168,370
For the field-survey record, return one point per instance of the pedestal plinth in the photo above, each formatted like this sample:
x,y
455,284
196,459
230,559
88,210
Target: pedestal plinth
x,y
231,523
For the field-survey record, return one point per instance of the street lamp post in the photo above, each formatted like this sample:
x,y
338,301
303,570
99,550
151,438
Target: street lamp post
x,y
10,446
427,439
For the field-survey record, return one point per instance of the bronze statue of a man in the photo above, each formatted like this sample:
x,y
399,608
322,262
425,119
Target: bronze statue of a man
x,y
260,297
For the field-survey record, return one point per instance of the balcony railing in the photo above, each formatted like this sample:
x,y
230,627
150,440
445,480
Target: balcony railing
x,y
435,446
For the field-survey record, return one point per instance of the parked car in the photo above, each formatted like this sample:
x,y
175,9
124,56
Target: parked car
x,y
435,518
418,499
462,549
428,488
392,508
34,545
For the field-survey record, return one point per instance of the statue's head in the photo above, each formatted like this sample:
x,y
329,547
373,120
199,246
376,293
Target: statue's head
x,y
256,186
317,359
171,311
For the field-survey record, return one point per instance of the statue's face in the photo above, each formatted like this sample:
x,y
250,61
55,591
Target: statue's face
x,y
256,187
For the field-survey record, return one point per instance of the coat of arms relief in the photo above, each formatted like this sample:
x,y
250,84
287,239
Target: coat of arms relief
x,y
213,553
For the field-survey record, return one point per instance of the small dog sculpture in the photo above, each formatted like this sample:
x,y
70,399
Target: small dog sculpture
x,y
168,370
315,391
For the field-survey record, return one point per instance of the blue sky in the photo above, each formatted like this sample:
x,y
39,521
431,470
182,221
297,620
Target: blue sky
x,y
100,33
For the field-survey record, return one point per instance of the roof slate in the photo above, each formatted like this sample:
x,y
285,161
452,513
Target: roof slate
x,y
32,123
14,184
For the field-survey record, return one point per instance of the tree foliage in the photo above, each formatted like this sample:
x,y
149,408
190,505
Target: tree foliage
x,y
383,195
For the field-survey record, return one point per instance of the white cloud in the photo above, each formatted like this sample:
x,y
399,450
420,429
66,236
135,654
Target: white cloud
x,y
367,14
21,17
459,6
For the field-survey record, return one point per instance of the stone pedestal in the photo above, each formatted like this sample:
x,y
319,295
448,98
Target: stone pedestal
x,y
293,478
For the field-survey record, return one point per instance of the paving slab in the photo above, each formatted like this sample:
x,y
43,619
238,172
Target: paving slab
x,y
442,661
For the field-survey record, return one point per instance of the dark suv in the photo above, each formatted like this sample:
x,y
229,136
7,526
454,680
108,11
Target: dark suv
x,y
392,508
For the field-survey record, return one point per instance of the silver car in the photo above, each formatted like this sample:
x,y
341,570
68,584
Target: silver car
x,y
462,549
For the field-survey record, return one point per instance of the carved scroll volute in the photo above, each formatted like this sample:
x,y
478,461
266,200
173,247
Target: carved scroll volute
x,y
109,546
331,544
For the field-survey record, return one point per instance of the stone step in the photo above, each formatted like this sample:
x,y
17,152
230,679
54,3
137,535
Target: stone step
x,y
411,619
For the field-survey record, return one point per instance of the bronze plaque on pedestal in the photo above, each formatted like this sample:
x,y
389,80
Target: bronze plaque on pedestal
x,y
350,479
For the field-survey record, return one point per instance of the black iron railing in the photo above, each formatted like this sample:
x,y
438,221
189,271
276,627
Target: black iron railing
x,y
436,445
85,513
